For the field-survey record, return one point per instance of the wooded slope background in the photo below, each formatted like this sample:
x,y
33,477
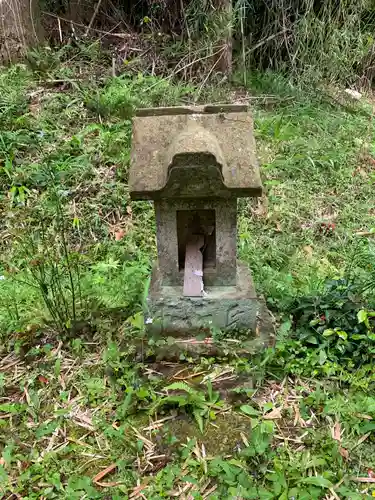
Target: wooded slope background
x,y
320,39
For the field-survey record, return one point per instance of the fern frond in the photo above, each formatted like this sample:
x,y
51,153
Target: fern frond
x,y
180,400
182,386
199,419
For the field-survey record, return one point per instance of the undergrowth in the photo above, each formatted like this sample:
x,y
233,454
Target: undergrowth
x,y
306,39
86,408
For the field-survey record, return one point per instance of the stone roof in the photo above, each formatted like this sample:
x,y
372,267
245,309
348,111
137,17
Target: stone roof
x,y
177,151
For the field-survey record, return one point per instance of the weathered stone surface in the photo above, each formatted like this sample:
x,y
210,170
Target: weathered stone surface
x,y
193,110
194,163
216,147
172,351
224,272
228,308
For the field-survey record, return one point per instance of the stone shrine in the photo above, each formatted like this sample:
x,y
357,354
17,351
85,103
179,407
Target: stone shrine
x,y
194,163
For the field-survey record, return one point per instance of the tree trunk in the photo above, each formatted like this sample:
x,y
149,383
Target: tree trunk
x,y
224,58
20,28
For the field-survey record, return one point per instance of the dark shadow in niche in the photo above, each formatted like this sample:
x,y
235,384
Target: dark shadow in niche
x,y
202,222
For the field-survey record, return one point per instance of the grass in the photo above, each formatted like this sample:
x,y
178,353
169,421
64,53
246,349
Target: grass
x,y
316,170
84,413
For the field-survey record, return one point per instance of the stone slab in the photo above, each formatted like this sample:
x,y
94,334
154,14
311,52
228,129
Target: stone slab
x,y
193,273
193,110
227,138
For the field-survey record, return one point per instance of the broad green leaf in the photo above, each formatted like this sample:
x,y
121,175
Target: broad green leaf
x,y
189,479
312,340
12,408
46,429
267,406
343,335
317,481
230,470
315,462
314,322
368,427
199,419
7,453
4,478
285,327
237,463
345,492
249,410
254,422
57,367
322,357
267,427
181,386
62,412
137,321
362,316
264,494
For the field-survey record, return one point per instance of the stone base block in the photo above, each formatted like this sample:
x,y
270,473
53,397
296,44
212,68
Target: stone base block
x,y
227,308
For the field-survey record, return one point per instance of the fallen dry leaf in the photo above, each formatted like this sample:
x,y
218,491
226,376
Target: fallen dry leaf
x,y
336,432
137,491
362,439
370,473
308,251
27,396
344,453
96,479
111,484
261,208
363,479
278,228
119,234
334,495
361,415
189,376
211,490
326,228
364,233
359,171
82,419
273,414
298,420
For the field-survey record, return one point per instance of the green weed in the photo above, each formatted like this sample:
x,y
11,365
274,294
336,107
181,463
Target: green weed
x,y
75,251
201,406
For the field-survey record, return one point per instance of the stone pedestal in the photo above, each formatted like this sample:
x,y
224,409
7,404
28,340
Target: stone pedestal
x,y
227,308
